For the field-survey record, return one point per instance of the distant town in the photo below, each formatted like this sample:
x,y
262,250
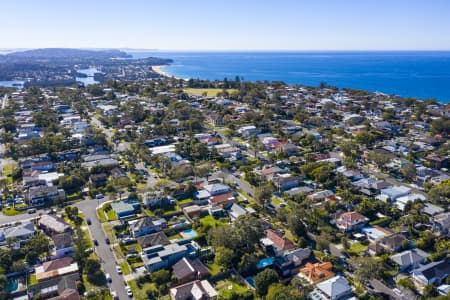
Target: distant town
x,y
146,186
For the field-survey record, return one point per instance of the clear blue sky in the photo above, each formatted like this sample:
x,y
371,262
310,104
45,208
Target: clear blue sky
x,y
227,25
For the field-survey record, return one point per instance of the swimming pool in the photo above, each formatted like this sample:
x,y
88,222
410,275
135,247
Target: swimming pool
x,y
188,233
13,285
264,263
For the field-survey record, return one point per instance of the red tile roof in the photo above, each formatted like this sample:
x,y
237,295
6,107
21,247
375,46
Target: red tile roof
x,y
280,242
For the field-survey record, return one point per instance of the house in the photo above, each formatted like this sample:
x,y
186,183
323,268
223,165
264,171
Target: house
x,y
43,275
67,294
223,200
437,161
321,195
394,192
315,272
286,181
410,259
125,209
235,211
55,264
21,232
433,273
288,263
164,256
53,225
388,244
402,201
335,288
350,221
63,243
299,190
38,195
211,190
98,180
149,240
147,225
186,270
201,290
441,223
247,131
56,286
275,244
373,233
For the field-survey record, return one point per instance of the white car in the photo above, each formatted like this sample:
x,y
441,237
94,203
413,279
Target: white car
x,y
119,269
114,295
129,291
108,277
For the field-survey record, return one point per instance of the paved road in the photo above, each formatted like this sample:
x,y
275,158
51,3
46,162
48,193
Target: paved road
x,y
5,101
227,175
104,252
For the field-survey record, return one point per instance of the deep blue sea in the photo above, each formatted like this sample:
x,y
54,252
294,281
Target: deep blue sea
x,y
415,74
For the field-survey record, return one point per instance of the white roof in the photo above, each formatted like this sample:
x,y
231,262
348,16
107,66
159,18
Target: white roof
x,y
334,286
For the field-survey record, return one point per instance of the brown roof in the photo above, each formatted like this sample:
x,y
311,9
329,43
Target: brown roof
x,y
221,199
187,267
68,294
158,238
57,264
317,272
280,242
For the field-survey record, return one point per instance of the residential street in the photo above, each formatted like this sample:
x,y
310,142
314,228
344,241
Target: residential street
x,y
104,252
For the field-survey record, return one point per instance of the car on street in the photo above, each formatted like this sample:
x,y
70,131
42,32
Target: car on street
x,y
114,295
108,277
95,242
107,241
88,221
99,196
31,210
129,291
119,270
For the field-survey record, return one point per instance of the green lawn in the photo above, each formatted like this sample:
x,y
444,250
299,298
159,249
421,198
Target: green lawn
x,y
175,236
12,212
212,92
140,293
357,248
228,288
111,215
186,201
101,215
32,279
87,239
125,268
213,268
108,231
211,222
8,169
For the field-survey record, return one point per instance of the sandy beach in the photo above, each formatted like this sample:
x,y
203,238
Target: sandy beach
x,y
158,69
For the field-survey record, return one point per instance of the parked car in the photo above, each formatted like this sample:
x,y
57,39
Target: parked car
x,y
107,241
129,291
32,210
99,196
95,242
108,277
114,295
88,221
119,270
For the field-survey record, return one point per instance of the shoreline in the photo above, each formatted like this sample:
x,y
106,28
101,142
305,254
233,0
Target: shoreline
x,y
158,70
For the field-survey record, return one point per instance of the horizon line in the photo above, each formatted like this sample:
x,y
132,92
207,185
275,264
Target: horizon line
x,y
226,50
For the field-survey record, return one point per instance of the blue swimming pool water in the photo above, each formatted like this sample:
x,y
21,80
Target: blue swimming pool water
x,y
190,233
13,285
264,263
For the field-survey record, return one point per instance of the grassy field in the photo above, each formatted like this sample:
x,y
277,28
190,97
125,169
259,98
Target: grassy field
x,y
210,222
209,92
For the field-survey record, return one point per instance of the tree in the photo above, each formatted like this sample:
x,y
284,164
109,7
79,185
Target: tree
x,y
430,291
247,265
160,277
409,171
366,268
407,283
250,229
279,291
224,257
263,194
296,225
91,265
264,279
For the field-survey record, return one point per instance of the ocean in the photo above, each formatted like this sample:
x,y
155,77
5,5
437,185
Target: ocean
x,y
408,74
